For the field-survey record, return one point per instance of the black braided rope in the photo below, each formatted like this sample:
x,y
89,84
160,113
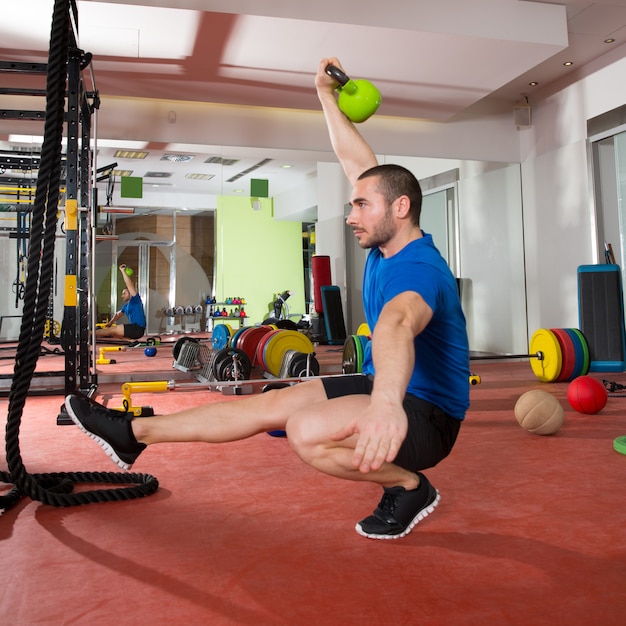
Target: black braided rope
x,y
53,488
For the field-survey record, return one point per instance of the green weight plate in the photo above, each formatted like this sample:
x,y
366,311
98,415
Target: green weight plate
x,y
359,354
619,444
585,345
548,368
278,344
568,353
349,360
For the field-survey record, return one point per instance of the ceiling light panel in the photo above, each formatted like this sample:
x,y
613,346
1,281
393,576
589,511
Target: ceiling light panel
x,y
130,154
191,176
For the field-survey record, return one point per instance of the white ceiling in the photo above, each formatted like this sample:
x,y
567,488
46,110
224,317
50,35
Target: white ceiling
x,y
431,59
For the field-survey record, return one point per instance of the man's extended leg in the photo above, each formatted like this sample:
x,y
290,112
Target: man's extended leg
x,y
124,438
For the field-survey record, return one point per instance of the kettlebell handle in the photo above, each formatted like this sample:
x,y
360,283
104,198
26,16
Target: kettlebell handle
x,y
337,74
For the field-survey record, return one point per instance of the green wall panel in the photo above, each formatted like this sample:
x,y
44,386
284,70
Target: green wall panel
x,y
257,256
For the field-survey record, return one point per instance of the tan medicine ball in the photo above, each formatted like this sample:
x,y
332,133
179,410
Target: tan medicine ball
x,y
539,412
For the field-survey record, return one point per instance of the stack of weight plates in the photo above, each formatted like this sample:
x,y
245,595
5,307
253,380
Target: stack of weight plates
x,y
353,353
273,345
247,339
559,354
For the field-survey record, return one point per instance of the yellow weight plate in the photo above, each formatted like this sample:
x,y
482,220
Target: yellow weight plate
x,y
363,329
548,368
279,343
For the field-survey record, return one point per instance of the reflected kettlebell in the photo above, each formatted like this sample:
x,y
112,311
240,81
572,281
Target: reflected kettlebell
x,y
358,99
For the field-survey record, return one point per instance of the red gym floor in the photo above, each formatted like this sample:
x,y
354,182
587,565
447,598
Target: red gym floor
x,y
530,529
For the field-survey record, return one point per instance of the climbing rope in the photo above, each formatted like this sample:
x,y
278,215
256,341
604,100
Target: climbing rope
x,y
52,488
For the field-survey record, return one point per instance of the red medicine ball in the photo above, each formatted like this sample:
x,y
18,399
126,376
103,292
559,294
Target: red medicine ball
x,y
587,394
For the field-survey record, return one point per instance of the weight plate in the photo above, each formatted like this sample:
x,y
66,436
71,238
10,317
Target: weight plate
x,y
302,364
365,341
179,344
359,354
580,355
235,338
619,444
547,368
349,359
278,344
585,346
249,340
226,368
568,354
260,349
220,336
364,330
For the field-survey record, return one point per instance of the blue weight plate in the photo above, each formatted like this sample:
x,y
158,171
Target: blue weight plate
x,y
220,336
580,354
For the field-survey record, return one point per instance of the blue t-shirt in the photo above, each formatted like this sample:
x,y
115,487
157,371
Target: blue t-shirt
x,y
133,309
441,372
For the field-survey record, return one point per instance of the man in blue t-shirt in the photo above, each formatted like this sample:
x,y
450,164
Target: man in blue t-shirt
x,y
132,309
385,426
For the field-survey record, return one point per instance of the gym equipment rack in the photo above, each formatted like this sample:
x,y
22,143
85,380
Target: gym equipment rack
x,y
81,104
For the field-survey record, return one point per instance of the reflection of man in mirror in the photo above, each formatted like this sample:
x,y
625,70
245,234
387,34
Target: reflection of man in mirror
x,y
132,309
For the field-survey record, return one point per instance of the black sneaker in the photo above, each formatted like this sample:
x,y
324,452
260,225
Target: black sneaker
x,y
399,510
111,429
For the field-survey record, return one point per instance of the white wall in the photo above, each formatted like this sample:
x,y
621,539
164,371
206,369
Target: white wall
x,y
559,229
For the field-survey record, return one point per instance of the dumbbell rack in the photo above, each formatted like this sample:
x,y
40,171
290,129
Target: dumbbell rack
x,y
211,320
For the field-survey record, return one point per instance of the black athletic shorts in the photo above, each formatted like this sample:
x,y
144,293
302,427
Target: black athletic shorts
x,y
431,432
132,331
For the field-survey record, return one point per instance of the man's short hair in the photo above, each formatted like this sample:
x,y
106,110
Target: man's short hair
x,y
396,181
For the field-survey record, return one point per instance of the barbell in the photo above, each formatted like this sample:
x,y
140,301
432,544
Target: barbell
x,y
555,354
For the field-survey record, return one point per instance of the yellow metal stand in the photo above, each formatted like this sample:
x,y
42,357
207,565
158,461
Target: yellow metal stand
x,y
102,360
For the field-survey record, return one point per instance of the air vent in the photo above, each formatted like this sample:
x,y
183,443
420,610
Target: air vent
x,y
250,169
177,158
221,161
157,174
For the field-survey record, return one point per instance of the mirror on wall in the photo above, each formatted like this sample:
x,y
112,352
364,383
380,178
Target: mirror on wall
x,y
172,232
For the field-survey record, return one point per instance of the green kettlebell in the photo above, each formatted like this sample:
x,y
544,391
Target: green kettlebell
x,y
358,99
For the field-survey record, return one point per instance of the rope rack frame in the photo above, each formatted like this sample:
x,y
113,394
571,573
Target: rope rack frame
x,y
63,71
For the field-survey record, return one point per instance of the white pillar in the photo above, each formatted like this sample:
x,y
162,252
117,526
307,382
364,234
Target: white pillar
x,y
333,193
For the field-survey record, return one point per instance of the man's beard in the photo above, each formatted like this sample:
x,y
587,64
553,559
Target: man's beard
x,y
383,233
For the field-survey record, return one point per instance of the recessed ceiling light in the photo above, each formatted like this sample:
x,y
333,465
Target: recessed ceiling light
x,y
121,173
179,158
609,40
568,63
533,83
238,191
286,166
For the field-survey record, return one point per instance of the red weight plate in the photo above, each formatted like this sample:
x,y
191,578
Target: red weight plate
x,y
569,354
260,360
249,340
